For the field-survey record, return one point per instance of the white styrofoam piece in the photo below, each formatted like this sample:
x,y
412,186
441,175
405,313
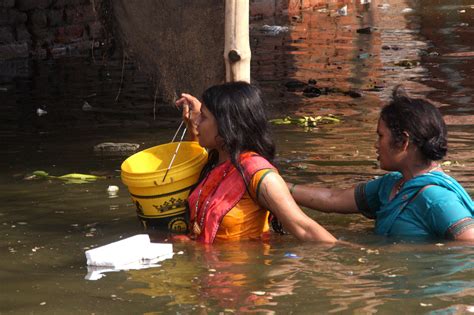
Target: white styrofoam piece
x,y
155,250
95,272
119,253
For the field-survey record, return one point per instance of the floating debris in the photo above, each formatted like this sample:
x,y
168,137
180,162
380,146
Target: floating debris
x,y
353,94
274,30
73,178
112,190
365,30
372,251
409,64
41,112
295,85
86,106
312,91
342,11
116,147
305,121
451,163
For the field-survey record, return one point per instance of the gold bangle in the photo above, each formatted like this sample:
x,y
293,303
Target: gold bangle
x,y
292,188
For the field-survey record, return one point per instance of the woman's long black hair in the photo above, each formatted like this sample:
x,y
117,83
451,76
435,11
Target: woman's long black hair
x,y
239,110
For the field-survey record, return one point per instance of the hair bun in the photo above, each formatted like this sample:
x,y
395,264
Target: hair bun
x,y
435,148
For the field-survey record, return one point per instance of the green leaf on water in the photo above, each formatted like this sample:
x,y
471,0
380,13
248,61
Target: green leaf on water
x,y
40,174
305,121
73,178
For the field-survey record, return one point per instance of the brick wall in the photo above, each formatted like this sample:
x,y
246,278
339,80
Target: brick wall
x,y
53,28
48,28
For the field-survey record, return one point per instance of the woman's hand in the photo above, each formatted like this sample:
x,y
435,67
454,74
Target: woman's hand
x,y
191,107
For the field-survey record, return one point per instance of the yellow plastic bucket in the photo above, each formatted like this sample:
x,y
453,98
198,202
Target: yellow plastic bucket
x,y
162,204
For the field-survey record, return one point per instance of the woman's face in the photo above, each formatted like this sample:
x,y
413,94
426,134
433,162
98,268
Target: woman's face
x,y
207,129
387,154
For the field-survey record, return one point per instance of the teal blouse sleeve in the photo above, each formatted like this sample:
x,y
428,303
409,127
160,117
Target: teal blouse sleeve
x,y
371,195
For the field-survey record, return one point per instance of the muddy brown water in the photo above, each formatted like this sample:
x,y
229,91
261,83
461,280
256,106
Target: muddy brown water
x,y
46,225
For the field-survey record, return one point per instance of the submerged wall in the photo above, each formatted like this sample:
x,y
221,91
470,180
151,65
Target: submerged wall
x,y
53,28
48,28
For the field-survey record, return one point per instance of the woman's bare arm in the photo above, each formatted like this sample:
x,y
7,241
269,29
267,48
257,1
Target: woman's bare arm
x,y
325,199
275,196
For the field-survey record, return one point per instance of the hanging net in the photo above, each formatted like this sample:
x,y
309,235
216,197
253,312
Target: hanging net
x,y
180,43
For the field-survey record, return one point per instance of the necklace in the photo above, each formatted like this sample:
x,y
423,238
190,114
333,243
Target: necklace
x,y
198,223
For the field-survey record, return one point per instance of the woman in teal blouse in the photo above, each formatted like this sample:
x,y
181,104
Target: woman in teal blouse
x,y
416,198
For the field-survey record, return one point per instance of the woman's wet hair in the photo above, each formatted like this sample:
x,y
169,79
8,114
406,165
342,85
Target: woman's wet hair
x,y
420,119
239,110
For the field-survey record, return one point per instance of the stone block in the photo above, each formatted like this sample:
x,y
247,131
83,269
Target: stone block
x,y
4,17
13,50
43,36
6,35
22,34
56,17
39,19
68,3
69,33
96,30
12,17
80,14
26,5
7,3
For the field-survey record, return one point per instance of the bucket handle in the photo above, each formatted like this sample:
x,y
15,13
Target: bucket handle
x,y
177,147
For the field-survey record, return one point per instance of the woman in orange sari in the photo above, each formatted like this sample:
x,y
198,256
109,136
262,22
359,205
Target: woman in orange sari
x,y
239,186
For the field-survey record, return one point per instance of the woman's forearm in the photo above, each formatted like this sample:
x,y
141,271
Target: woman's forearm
x,y
324,199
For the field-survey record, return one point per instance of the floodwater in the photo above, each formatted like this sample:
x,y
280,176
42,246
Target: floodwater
x,y
47,224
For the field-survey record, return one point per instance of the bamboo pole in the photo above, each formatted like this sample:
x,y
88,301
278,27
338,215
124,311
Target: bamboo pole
x,y
237,52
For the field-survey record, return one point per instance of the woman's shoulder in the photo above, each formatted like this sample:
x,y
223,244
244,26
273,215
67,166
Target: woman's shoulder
x,y
252,160
437,194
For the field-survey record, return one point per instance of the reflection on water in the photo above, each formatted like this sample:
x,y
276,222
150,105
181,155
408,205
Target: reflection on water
x,y
46,225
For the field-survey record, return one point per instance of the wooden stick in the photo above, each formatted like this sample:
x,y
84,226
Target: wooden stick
x,y
237,52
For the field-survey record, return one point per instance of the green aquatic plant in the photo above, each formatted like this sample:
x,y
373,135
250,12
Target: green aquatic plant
x,y
305,121
73,178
